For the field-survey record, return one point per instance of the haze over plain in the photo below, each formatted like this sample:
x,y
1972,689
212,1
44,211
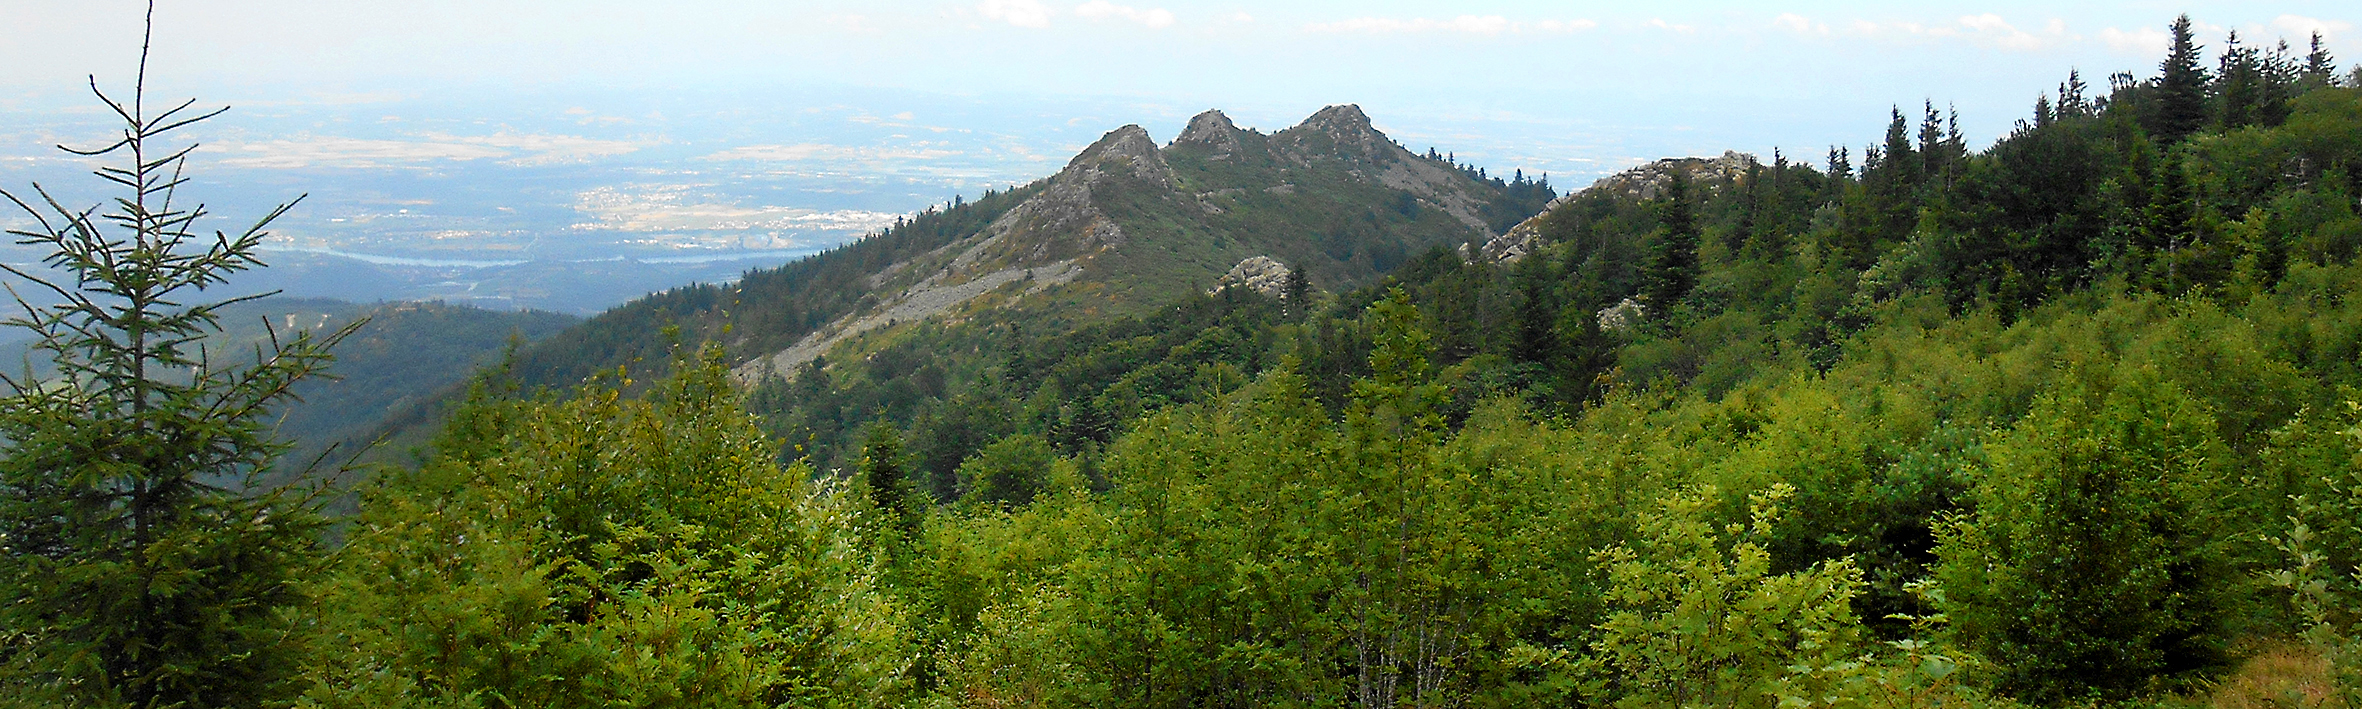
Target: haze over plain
x,y
572,155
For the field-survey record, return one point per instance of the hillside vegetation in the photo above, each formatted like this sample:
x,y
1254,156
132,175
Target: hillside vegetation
x,y
2071,420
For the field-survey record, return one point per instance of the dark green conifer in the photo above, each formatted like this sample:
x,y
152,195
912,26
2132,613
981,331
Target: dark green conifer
x,y
882,473
2320,69
141,563
2181,89
1673,264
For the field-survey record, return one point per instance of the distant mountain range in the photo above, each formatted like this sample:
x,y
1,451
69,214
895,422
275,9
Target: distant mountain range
x,y
1127,224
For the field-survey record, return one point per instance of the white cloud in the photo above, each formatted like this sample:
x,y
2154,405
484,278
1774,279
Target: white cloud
x,y
1102,9
1565,25
1489,25
1991,28
1660,23
1022,13
2300,29
1986,29
2145,41
1799,24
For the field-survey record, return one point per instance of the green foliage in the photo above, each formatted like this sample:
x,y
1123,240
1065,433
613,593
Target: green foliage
x,y
1699,618
2021,422
2093,563
884,479
1010,472
140,565
1673,260
604,550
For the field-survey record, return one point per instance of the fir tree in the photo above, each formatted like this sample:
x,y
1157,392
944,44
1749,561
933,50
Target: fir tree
x,y
1899,168
1673,265
882,474
1297,288
140,562
2320,69
2181,88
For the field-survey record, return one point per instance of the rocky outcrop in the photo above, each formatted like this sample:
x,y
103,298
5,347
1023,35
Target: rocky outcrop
x,y
1624,316
1064,222
1648,181
1337,131
918,302
1213,132
1126,151
1069,229
1521,240
1263,274
1343,133
1644,182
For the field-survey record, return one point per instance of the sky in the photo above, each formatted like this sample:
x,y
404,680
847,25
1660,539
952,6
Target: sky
x,y
506,130
1611,79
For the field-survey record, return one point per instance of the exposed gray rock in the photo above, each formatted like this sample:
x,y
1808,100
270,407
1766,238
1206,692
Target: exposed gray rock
x,y
1647,181
1213,131
1623,316
1644,182
1261,273
919,302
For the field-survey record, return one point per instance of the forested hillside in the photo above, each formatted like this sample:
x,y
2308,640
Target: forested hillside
x,y
2073,419
1125,227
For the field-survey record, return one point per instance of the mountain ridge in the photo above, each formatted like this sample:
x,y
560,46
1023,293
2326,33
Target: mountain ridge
x,y
1074,230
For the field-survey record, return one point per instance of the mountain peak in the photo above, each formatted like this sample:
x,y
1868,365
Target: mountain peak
x,y
1346,118
1340,131
1127,150
1124,143
1211,130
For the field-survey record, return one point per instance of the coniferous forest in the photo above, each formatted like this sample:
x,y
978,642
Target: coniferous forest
x,y
2074,419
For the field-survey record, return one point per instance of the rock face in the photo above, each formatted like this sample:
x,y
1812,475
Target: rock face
x,y
1623,316
1065,221
1644,182
1647,181
1344,134
1260,273
1126,216
1213,131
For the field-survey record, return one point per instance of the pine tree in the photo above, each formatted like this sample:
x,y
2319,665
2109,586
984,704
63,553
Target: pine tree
x,y
2239,81
1899,168
2072,102
888,485
1673,264
140,562
2173,224
1296,290
2181,89
2320,69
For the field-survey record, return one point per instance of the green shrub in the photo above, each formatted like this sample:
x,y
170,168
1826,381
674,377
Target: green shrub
x,y
2094,563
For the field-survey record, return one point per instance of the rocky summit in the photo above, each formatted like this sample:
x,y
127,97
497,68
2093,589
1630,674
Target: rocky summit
x,y
1128,222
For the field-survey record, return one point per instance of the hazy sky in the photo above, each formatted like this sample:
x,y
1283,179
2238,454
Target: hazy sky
x,y
1688,77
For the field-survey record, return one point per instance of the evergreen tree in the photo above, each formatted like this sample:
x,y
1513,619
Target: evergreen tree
x,y
2181,89
2173,224
2239,84
889,487
2094,560
2320,68
1899,169
1296,290
1673,265
2072,103
140,564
